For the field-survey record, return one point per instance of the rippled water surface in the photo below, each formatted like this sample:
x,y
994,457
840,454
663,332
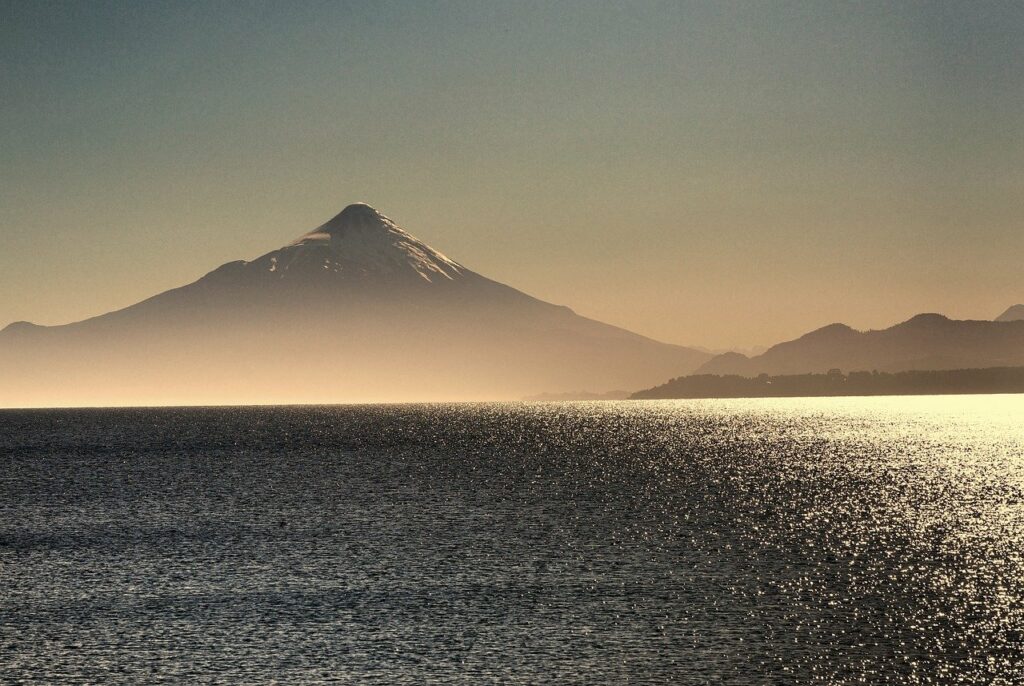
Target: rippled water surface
x,y
742,542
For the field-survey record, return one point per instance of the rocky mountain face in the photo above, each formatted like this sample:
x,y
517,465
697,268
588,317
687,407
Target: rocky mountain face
x,y
355,310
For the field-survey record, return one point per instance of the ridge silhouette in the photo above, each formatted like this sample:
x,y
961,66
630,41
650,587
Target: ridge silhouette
x,y
926,341
835,383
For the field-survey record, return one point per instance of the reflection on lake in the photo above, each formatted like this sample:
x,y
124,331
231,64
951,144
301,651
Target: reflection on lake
x,y
744,542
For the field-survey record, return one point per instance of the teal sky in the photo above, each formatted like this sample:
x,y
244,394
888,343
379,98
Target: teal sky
x,y
706,173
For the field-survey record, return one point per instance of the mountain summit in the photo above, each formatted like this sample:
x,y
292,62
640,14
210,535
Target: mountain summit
x,y
358,218
361,241
1013,314
359,245
357,309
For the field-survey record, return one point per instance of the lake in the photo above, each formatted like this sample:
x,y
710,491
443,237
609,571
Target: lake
x,y
774,541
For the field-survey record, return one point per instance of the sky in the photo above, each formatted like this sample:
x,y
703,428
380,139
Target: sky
x,y
723,174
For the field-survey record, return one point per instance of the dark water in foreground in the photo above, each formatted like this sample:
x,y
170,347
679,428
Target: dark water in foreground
x,y
744,542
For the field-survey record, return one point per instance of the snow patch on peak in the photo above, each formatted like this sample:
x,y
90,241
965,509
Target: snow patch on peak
x,y
358,218
359,211
361,235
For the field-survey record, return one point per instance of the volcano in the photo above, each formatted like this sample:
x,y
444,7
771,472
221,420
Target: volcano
x,y
357,310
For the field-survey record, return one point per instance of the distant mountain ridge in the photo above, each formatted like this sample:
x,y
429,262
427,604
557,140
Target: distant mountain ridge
x,y
926,341
1014,314
914,382
356,310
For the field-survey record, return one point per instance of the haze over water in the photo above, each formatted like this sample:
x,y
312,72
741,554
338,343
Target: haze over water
x,y
757,541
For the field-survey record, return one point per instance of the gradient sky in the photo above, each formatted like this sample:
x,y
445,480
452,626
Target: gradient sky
x,y
711,173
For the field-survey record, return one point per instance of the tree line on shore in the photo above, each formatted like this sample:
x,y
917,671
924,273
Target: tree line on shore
x,y
836,383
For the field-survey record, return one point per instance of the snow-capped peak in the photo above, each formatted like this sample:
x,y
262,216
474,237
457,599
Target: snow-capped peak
x,y
362,240
357,217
